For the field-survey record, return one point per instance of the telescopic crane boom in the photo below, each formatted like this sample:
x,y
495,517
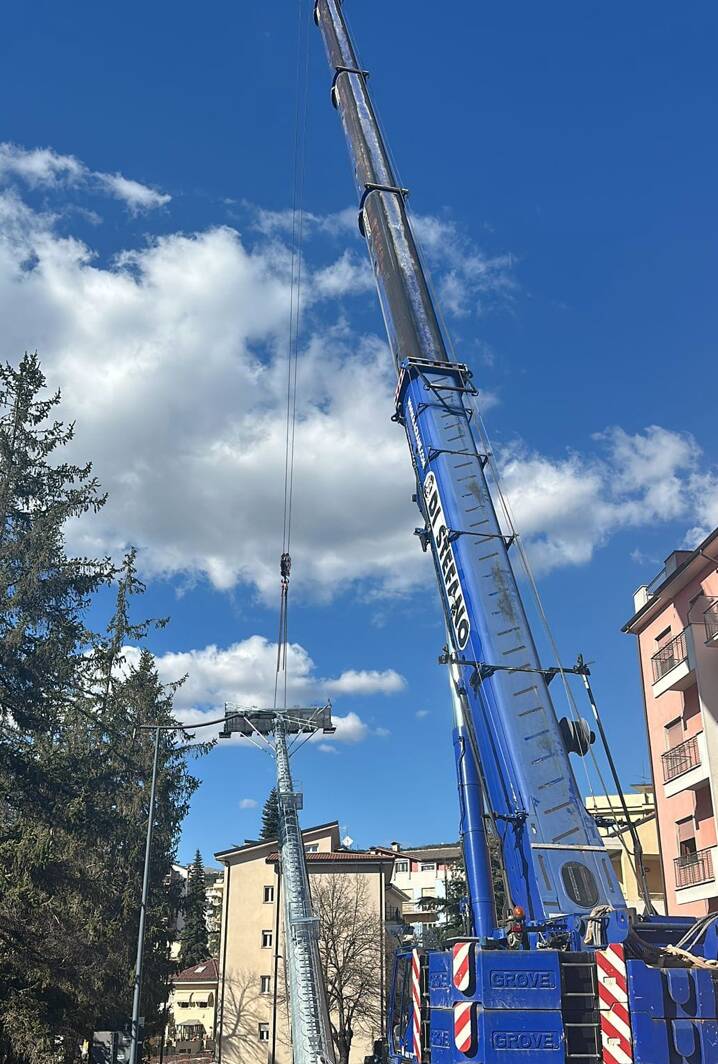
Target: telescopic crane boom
x,y
554,857
573,975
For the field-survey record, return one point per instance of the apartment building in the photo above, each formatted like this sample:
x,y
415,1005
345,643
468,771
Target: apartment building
x,y
252,941
192,1006
676,626
214,887
421,872
619,842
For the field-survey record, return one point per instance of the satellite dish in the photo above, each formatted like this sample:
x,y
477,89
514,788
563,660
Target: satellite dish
x,y
347,841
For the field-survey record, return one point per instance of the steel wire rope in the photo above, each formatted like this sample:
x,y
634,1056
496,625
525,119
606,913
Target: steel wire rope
x,y
525,564
528,572
295,284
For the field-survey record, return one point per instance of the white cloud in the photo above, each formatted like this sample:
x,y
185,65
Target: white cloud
x,y
565,508
367,682
327,748
178,349
244,674
136,196
350,728
421,713
468,279
348,275
171,360
40,166
43,167
247,803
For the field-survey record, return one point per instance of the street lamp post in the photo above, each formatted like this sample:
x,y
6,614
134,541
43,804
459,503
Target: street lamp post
x,y
139,961
135,1028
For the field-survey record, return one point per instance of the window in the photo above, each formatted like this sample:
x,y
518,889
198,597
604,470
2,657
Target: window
x,y
428,892
269,894
266,939
663,635
428,866
674,733
313,847
265,984
401,866
686,837
264,1032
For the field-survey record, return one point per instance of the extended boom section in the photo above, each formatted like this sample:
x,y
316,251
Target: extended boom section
x,y
554,858
567,975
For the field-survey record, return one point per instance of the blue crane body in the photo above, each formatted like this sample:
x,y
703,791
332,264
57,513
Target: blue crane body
x,y
568,973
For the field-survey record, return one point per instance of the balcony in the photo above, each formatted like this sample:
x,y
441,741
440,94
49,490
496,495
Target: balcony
x,y
685,767
680,759
694,869
711,623
673,664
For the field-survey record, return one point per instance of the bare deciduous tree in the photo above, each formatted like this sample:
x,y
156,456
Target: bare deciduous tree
x,y
351,945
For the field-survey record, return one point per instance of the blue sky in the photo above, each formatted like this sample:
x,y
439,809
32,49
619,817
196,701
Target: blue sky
x,y
562,164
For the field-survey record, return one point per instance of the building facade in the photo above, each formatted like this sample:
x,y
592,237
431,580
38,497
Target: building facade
x,y
192,1008
676,626
619,843
420,874
252,943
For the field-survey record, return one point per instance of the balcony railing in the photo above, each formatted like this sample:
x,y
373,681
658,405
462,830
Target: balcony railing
x,y
680,759
669,656
711,621
694,868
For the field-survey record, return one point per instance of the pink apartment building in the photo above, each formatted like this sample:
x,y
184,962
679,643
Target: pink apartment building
x,y
676,623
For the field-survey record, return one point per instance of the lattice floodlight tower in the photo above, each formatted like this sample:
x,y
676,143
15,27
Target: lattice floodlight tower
x,y
282,732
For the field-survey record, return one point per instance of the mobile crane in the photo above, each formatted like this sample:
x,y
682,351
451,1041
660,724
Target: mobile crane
x,y
572,974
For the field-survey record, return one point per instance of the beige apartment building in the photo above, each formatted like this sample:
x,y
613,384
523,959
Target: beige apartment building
x,y
192,1004
676,626
252,943
619,843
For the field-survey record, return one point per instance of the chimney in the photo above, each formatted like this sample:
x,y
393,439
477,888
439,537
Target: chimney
x,y
395,847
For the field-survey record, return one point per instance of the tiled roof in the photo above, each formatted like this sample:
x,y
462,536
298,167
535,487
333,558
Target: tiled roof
x,y
438,851
445,851
250,843
332,856
204,972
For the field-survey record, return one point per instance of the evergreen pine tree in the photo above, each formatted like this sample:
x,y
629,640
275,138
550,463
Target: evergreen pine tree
x,y
270,816
74,770
43,665
194,944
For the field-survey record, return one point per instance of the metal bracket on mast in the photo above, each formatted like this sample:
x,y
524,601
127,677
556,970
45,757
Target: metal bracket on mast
x,y
344,70
370,187
484,670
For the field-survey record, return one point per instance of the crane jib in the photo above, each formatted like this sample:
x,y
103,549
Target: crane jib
x,y
554,858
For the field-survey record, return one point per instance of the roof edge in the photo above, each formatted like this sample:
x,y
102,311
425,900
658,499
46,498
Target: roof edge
x,y
627,627
219,854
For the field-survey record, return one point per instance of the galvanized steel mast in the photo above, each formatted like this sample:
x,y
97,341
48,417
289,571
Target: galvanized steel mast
x,y
307,999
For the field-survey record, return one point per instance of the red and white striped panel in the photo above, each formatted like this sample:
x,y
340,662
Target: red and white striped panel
x,y
463,1032
461,965
416,998
616,1033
